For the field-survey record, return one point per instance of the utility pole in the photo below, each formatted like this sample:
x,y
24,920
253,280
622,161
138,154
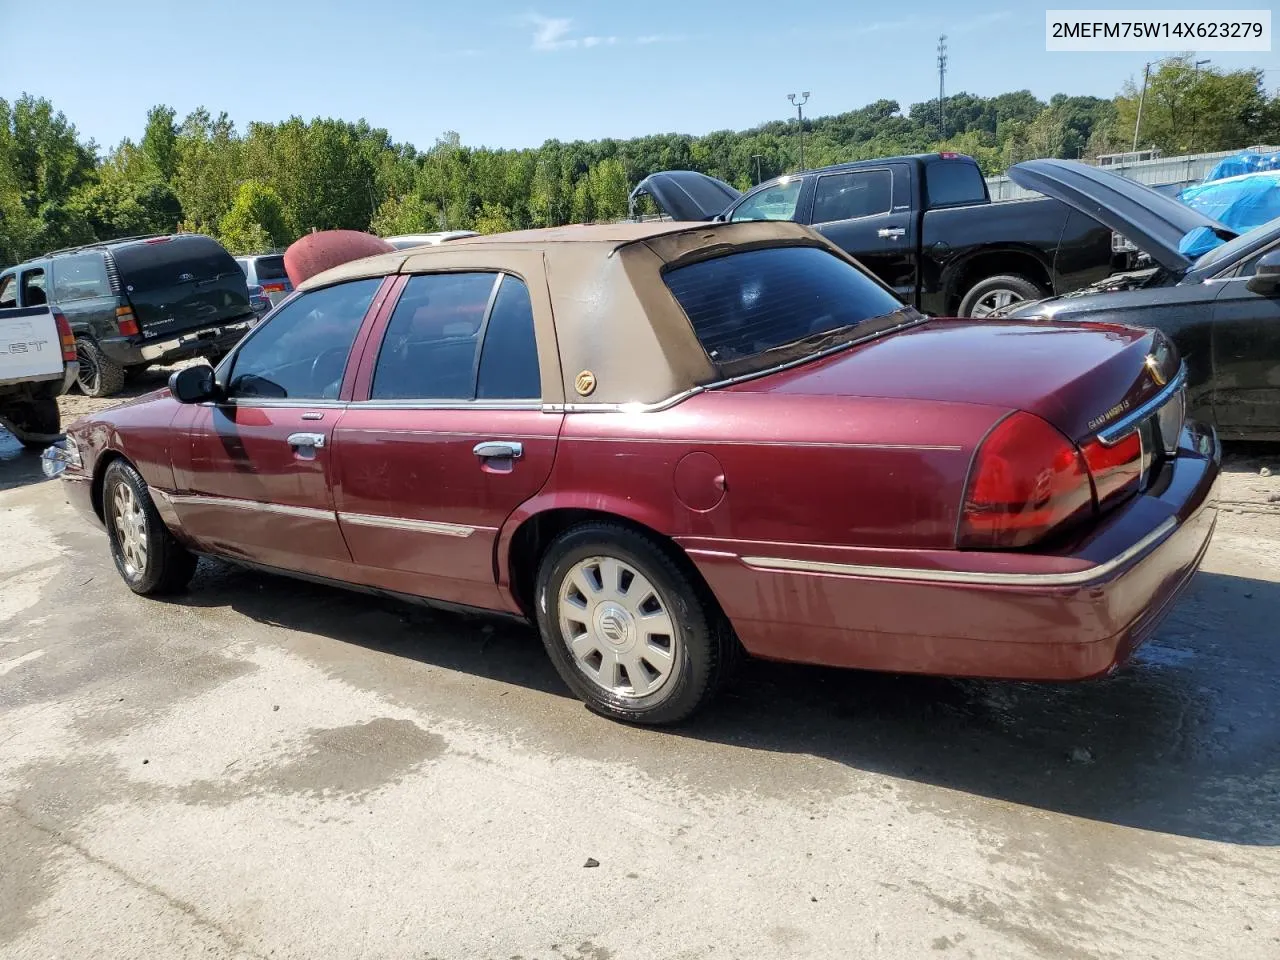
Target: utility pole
x,y
756,157
1146,75
804,98
942,86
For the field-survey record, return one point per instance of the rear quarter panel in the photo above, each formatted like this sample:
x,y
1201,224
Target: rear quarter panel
x,y
725,466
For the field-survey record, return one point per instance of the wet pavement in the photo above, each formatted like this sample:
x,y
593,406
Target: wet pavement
x,y
269,768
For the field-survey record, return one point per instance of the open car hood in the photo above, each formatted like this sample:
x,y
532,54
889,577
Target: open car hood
x,y
1152,221
685,194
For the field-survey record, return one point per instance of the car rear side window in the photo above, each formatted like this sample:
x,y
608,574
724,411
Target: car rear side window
x,y
81,276
509,356
270,268
300,352
744,304
847,196
430,348
952,182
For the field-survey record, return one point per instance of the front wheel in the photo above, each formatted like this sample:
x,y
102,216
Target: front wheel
x,y
995,293
627,629
147,556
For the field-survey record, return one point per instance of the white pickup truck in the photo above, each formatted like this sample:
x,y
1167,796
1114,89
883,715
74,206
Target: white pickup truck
x,y
37,364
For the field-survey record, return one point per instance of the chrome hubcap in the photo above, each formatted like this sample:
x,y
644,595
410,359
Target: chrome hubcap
x,y
131,529
994,301
618,628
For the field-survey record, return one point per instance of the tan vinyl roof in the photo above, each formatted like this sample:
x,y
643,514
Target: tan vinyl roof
x,y
599,297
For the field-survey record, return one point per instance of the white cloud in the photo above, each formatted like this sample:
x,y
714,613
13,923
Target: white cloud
x,y
659,38
551,33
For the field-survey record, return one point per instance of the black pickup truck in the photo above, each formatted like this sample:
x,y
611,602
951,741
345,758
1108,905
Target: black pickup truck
x,y
924,224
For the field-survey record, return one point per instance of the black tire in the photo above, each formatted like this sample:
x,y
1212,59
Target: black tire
x,y
166,566
99,375
37,423
1020,287
702,645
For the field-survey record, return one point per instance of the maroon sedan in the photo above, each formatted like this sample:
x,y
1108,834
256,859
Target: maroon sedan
x,y
667,442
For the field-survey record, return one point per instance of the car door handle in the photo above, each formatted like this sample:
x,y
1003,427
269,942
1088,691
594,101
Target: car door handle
x,y
313,440
498,448
887,233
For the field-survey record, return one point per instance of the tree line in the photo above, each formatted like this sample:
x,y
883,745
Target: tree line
x,y
261,188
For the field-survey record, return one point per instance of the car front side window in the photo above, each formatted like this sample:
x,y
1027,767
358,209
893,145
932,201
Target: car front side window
x,y
777,202
301,352
8,291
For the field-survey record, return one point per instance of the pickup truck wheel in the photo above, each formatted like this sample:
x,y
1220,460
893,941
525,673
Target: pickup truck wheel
x,y
38,423
996,292
99,375
626,628
147,556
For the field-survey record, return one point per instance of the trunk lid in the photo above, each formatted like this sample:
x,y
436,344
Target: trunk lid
x,y
685,195
1082,378
180,283
1155,223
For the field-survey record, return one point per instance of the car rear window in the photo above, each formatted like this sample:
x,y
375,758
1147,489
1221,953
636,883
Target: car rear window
x,y
270,268
743,304
952,182
171,261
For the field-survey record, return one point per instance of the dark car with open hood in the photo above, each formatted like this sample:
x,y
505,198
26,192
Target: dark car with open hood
x,y
139,301
1215,294
668,443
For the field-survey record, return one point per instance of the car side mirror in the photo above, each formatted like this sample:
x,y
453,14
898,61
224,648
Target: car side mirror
x,y
194,385
1266,276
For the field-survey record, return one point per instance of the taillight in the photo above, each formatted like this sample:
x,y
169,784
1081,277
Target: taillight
x,y
126,321
66,338
1116,469
1026,481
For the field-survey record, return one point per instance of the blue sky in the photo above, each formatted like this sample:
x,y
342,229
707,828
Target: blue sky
x,y
514,74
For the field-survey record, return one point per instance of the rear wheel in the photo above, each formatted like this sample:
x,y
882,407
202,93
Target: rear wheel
x,y
37,423
994,293
99,375
628,630
147,556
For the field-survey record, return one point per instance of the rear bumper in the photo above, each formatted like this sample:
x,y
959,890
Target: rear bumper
x,y
192,343
1021,616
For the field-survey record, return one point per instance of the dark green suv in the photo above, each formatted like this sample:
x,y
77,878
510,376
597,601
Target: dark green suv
x,y
140,301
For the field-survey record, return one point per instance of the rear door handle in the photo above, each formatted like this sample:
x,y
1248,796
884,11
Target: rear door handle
x,y
313,440
492,449
887,233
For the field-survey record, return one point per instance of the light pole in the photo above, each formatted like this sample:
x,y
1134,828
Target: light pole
x,y
756,157
804,98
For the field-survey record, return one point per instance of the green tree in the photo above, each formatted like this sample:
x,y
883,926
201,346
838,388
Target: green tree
x,y
607,183
160,142
255,223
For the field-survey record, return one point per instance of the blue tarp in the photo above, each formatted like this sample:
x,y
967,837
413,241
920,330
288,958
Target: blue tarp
x,y
1241,203
1246,161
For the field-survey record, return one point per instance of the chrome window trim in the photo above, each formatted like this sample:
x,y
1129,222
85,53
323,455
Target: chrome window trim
x,y
536,405
406,523
1123,427
915,574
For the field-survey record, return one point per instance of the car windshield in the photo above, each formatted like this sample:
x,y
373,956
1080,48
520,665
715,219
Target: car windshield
x,y
744,305
1227,252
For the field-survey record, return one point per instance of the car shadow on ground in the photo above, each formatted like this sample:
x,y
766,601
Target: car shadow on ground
x,y
1184,741
18,466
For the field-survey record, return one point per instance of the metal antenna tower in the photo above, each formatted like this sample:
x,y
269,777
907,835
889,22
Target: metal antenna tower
x,y
942,86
